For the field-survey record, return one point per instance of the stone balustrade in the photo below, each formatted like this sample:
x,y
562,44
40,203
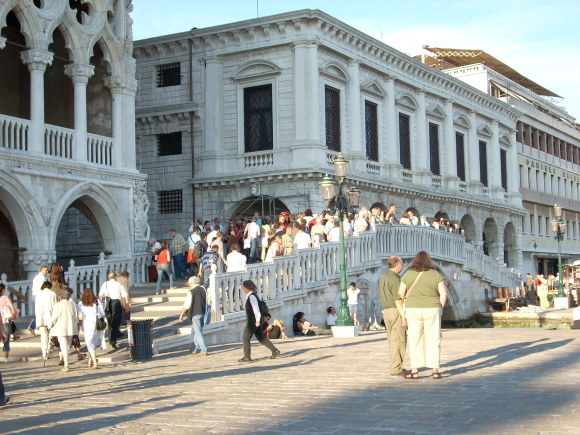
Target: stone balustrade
x,y
14,133
99,149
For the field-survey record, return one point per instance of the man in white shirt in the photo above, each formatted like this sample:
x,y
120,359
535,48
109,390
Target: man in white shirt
x,y
414,220
236,262
301,240
252,232
118,301
36,287
331,316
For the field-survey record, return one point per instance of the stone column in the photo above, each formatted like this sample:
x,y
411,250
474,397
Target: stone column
x,y
306,93
123,91
37,61
472,151
513,180
213,117
357,147
449,171
493,165
421,153
80,74
393,150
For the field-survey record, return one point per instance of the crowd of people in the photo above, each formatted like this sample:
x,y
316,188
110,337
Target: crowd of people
x,y
252,239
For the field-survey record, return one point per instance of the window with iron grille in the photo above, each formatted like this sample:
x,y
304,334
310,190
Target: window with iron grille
x,y
405,140
460,151
258,118
483,162
434,148
169,144
332,117
503,165
371,130
168,74
170,201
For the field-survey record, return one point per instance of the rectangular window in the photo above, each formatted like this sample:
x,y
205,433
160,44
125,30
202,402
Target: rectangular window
x,y
405,140
460,151
258,119
371,131
503,165
540,225
168,75
169,144
483,162
170,201
332,117
434,148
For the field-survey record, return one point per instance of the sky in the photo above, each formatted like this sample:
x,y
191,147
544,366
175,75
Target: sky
x,y
540,39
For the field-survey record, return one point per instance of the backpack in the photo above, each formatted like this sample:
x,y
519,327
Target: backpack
x,y
197,249
264,311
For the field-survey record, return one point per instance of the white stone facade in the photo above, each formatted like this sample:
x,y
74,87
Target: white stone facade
x,y
299,57
67,135
548,141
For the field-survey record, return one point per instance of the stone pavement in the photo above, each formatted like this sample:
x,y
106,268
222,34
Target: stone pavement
x,y
495,381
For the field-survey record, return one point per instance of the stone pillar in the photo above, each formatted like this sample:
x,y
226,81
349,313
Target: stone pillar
x,y
37,61
357,147
80,74
306,93
513,180
213,117
520,127
493,165
393,151
472,151
449,170
421,153
123,91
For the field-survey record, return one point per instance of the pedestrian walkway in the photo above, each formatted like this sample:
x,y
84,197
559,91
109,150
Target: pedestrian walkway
x,y
494,381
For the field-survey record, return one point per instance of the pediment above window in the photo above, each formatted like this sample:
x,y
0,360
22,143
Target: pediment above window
x,y
461,121
407,102
374,88
505,141
484,130
335,71
256,69
436,112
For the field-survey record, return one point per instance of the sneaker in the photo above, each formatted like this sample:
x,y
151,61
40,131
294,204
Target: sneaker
x,y
202,354
194,352
245,359
64,369
8,360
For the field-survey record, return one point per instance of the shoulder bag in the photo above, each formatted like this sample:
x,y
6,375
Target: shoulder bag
x,y
400,303
100,324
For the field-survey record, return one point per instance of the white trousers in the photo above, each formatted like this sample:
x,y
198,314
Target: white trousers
x,y
424,337
43,340
65,343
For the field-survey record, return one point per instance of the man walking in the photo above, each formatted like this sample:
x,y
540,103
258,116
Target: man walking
x,y
118,299
254,323
194,305
177,248
388,292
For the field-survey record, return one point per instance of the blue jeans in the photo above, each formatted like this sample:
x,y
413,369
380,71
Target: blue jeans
x,y
253,250
2,392
197,327
160,278
179,266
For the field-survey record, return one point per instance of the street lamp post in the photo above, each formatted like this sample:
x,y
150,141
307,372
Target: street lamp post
x,y
342,204
559,229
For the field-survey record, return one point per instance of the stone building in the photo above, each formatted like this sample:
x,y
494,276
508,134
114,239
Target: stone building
x,y
69,187
548,142
236,116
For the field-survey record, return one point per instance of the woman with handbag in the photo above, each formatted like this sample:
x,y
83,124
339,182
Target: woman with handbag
x,y
8,315
93,324
425,294
163,260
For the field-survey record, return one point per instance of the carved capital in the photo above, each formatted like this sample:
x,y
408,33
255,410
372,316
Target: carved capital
x,y
120,84
36,60
79,72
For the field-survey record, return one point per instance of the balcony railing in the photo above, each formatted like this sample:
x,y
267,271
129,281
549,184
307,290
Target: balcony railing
x,y
57,141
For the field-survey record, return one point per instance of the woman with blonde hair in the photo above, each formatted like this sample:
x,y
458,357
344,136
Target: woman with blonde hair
x,y
425,293
91,309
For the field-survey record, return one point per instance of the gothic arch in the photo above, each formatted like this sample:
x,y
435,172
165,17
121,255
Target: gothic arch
x,y
468,225
489,238
104,214
22,210
510,249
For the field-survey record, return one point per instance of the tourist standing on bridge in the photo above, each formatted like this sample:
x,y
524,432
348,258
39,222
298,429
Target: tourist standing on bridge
x,y
388,292
425,293
254,323
194,306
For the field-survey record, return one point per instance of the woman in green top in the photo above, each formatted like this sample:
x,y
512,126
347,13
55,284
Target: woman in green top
x,y
426,294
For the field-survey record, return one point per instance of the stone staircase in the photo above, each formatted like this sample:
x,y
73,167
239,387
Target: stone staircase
x,y
163,309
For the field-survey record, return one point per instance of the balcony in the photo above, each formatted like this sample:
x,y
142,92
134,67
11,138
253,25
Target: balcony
x,y
15,134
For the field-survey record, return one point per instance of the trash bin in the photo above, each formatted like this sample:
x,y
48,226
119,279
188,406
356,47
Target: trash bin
x,y
140,338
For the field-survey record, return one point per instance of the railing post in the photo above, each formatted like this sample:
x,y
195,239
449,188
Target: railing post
x,y
212,293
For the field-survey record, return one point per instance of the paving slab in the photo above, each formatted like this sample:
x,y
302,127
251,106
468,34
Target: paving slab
x,y
494,381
